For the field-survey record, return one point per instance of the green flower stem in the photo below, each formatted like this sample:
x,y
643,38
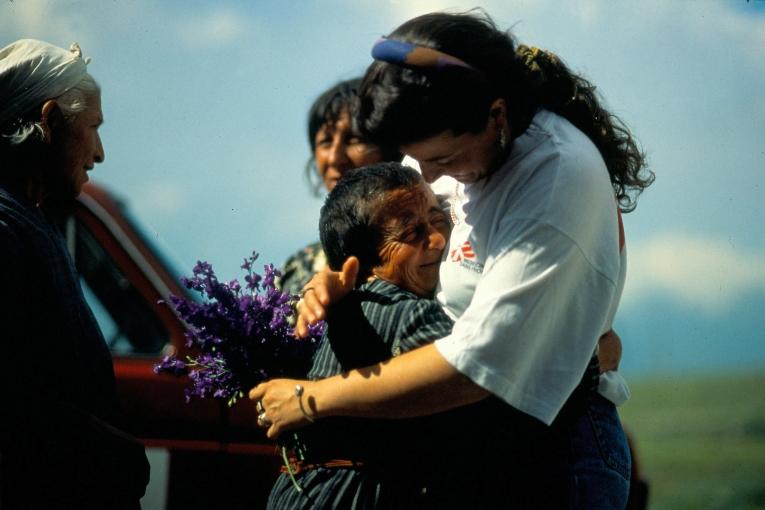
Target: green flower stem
x,y
289,470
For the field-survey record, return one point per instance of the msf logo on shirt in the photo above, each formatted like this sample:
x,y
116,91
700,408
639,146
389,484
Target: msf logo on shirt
x,y
465,257
463,252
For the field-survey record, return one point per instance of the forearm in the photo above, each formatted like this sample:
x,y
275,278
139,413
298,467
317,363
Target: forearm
x,y
417,383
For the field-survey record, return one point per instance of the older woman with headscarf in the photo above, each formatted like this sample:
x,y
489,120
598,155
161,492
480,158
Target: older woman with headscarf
x,y
59,447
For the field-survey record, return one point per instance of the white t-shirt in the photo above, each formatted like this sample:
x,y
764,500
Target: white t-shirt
x,y
534,270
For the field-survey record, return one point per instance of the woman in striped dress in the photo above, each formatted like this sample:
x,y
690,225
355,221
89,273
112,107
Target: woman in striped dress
x,y
390,219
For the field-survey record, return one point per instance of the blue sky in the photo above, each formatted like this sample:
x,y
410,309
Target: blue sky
x,y
205,106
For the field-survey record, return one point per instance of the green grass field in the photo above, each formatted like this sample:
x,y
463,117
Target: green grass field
x,y
700,440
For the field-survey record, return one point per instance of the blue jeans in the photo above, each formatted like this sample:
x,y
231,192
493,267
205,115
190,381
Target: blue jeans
x,y
601,458
581,462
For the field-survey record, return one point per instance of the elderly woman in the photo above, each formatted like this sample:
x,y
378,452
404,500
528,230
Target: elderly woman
x,y
387,217
537,172
336,148
59,447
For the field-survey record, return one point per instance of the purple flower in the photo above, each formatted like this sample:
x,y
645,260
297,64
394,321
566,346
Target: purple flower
x,y
253,281
241,336
171,365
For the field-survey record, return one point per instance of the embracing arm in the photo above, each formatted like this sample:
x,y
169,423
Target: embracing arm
x,y
328,287
417,383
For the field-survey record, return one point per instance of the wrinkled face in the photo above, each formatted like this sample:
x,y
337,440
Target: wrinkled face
x,y
467,157
339,150
78,149
415,232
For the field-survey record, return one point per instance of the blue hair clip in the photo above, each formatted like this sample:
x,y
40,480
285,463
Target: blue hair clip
x,y
403,53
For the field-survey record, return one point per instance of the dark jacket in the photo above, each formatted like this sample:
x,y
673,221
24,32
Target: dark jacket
x,y
59,445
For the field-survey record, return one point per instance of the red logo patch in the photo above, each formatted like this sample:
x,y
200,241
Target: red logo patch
x,y
465,251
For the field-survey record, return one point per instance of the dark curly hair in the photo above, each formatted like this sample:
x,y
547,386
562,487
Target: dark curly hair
x,y
404,104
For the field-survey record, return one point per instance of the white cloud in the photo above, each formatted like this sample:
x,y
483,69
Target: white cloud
x,y
38,19
214,28
703,272
88,23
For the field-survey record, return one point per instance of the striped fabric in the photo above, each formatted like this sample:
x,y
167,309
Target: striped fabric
x,y
374,323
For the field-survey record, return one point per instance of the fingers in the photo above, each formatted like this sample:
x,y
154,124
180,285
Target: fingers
x,y
609,351
349,273
307,314
257,392
326,287
301,327
320,286
263,420
610,335
313,305
279,406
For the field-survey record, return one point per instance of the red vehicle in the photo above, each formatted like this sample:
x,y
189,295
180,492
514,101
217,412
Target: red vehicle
x,y
204,454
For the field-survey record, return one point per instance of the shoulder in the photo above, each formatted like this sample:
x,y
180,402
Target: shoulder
x,y
551,138
414,319
570,152
300,267
381,298
555,190
17,219
553,170
388,295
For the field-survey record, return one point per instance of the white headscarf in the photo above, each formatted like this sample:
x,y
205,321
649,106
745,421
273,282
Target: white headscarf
x,y
32,71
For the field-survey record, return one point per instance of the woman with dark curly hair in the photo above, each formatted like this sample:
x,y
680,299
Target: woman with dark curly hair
x,y
538,173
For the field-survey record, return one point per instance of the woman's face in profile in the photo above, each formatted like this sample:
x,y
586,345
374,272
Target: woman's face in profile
x,y
77,149
466,157
415,232
338,150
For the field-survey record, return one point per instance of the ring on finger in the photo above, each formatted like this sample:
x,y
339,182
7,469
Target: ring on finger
x,y
263,420
259,407
305,291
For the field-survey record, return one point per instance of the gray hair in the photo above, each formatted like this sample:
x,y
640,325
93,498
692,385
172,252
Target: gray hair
x,y
72,102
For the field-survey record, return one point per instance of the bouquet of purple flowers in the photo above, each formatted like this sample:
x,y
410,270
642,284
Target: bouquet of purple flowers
x,y
242,334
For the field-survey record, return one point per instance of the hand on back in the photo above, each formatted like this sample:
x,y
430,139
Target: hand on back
x,y
325,288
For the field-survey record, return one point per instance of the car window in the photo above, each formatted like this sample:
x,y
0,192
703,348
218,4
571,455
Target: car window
x,y
129,324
